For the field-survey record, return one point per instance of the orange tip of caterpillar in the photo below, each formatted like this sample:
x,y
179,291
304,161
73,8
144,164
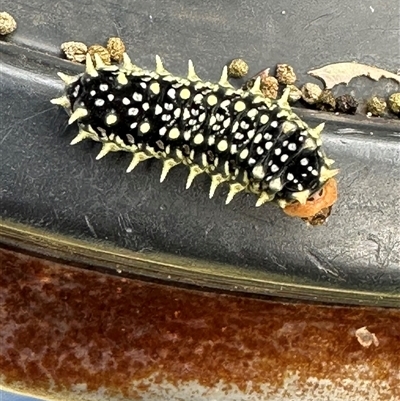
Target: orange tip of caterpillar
x,y
324,199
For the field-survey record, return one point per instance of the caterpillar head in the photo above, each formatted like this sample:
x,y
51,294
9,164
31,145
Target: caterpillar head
x,y
318,207
295,167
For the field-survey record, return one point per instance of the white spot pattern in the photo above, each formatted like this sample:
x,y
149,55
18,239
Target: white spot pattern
x,y
248,136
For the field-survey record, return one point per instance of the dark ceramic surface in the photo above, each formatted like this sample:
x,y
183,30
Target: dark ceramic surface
x,y
48,184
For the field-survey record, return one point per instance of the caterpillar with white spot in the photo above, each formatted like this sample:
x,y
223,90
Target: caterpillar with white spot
x,y
235,136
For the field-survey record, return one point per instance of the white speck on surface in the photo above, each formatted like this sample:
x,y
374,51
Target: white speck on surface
x,y
90,227
366,338
372,9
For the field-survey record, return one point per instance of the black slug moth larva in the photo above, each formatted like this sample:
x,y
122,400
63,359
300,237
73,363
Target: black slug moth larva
x,y
235,136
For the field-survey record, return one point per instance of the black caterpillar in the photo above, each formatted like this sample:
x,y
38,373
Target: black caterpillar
x,y
239,137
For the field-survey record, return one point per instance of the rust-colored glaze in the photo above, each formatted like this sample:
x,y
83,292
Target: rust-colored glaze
x,y
62,327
